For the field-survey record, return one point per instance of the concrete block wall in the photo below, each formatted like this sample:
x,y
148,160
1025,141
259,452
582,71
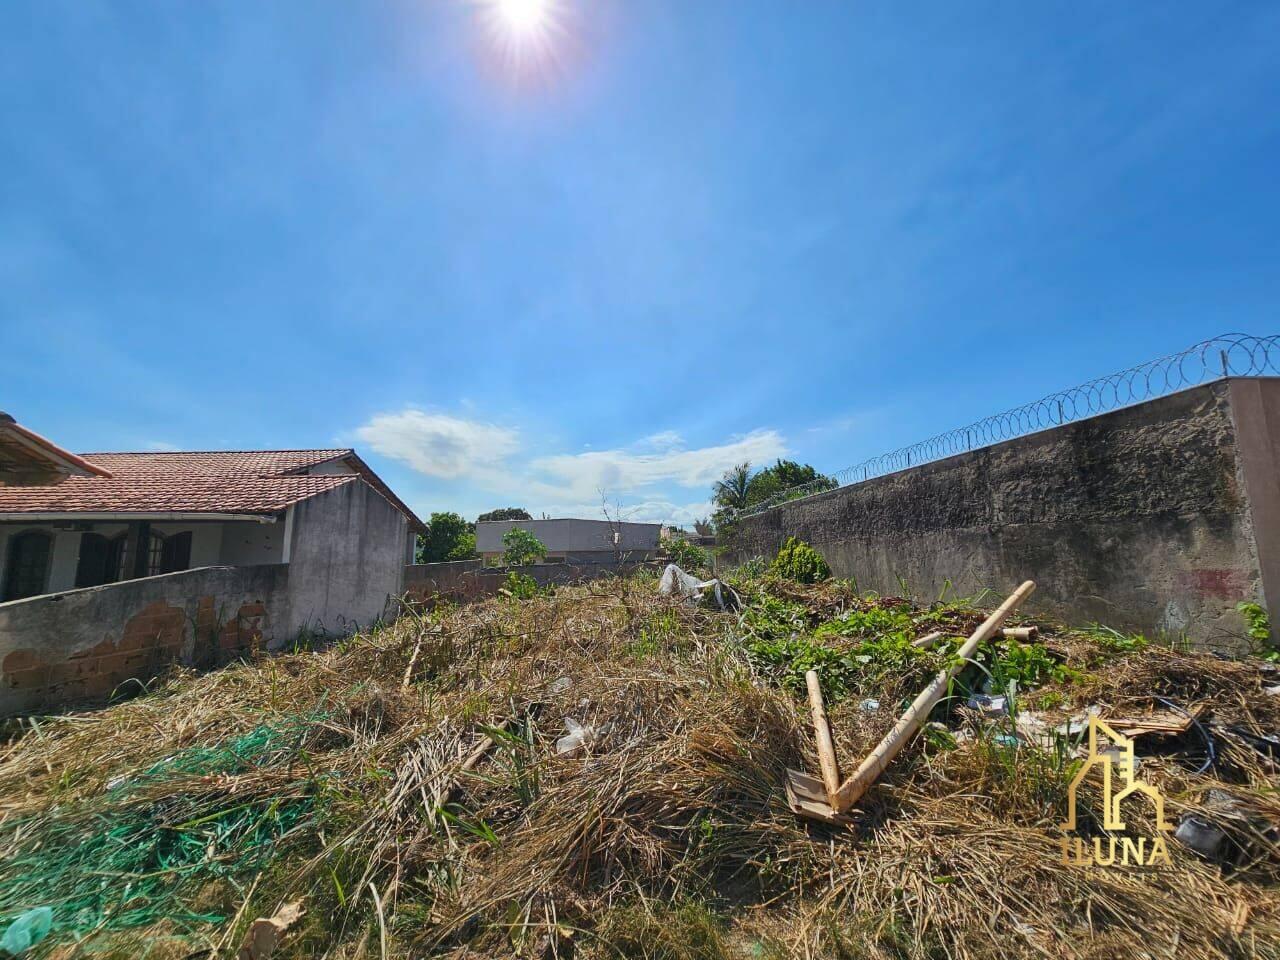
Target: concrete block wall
x,y
84,645
1159,517
464,580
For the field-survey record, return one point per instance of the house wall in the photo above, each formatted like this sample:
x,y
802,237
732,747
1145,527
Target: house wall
x,y
347,553
1148,518
83,645
236,543
248,542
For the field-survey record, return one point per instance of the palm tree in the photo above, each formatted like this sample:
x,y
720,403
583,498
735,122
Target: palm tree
x,y
730,491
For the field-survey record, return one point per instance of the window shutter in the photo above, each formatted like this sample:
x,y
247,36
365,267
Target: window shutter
x,y
177,553
91,568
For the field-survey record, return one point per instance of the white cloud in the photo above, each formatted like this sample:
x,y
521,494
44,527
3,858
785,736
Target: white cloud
x,y
439,445
646,511
644,477
622,471
162,446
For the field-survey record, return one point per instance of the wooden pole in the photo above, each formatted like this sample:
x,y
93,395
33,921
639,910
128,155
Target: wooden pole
x,y
928,640
1023,634
851,790
822,730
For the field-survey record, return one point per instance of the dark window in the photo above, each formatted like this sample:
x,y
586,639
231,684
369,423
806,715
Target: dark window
x,y
175,554
28,566
155,556
118,558
91,568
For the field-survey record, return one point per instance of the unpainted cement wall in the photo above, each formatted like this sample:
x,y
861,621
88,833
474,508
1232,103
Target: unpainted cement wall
x,y
84,645
1140,518
347,556
463,580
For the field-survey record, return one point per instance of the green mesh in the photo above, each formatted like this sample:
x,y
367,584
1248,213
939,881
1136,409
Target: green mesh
x,y
118,862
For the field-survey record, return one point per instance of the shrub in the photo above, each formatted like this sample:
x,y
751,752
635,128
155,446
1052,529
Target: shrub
x,y
520,586
800,562
522,548
687,556
1258,624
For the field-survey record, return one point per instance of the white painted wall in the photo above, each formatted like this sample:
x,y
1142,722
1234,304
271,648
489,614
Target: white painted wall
x,y
247,542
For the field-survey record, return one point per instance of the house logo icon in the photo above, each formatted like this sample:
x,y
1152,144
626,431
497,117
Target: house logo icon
x,y
1112,754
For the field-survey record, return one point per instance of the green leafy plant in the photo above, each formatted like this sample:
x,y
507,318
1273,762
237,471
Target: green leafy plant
x,y
688,556
521,548
800,562
1258,625
863,623
1028,665
520,586
1113,641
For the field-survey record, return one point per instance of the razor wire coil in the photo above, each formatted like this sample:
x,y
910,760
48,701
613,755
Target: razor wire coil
x,y
1229,355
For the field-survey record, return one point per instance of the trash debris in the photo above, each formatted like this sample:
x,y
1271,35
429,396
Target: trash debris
x,y
559,685
1202,836
578,739
264,934
1169,723
869,705
988,705
802,796
675,582
26,930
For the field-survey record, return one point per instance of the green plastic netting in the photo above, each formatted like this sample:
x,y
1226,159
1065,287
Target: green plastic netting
x,y
121,860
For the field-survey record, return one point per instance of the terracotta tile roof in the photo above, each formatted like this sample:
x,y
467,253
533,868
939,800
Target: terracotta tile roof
x,y
23,451
203,481
168,494
261,463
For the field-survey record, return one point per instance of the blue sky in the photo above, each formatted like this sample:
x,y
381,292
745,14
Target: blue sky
x,y
684,234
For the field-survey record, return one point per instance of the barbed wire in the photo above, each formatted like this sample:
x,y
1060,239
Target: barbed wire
x,y
1230,355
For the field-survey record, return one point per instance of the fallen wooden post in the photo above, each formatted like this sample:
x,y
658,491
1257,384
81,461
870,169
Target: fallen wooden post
x,y
802,796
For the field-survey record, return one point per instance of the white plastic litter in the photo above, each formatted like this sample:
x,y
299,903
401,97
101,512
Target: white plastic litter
x,y
579,738
989,706
869,705
675,582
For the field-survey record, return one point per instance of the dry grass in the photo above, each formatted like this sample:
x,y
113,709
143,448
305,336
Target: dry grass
x,y
323,775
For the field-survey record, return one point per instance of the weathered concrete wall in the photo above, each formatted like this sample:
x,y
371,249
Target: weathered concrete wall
x,y
347,552
464,580
83,645
1138,518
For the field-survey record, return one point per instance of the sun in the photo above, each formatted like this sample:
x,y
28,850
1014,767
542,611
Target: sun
x,y
523,17
523,32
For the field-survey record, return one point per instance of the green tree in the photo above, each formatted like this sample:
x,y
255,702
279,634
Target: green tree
x,y
733,490
448,537
522,548
505,513
786,475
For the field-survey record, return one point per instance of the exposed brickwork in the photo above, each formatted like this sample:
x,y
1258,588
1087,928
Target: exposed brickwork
x,y
158,635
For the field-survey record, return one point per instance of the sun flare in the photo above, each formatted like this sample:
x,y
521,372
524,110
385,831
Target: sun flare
x,y
524,32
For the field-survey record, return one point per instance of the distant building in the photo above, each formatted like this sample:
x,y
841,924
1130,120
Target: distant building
x,y
574,541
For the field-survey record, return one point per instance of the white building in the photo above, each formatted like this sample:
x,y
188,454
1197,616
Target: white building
x,y
574,541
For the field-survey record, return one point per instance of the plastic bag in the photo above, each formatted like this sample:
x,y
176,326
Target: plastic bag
x,y
27,930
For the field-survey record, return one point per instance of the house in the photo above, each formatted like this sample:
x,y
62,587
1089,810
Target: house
x,y
102,518
26,458
574,541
